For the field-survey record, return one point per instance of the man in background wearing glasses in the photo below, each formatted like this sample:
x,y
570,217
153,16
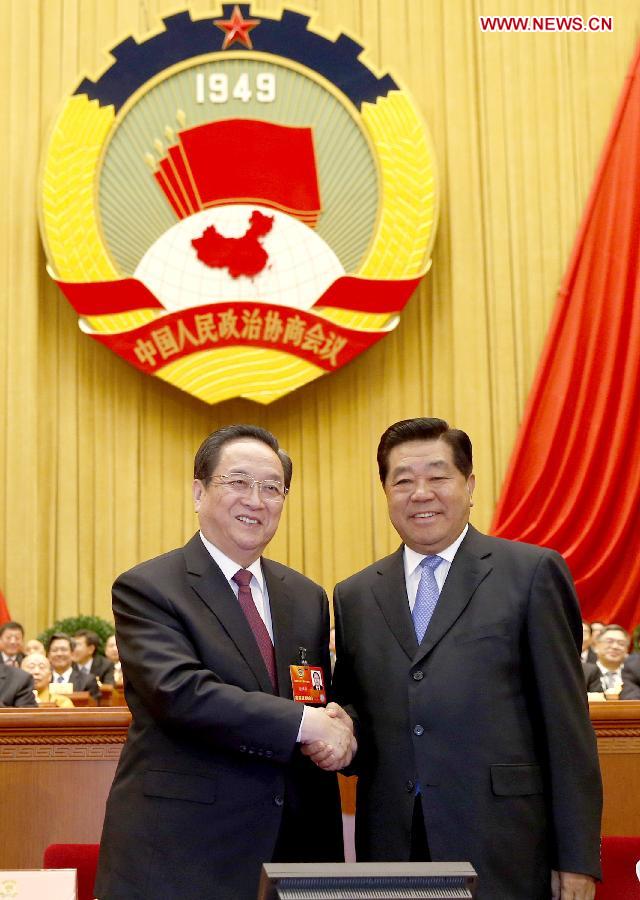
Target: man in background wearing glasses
x,y
611,647
211,782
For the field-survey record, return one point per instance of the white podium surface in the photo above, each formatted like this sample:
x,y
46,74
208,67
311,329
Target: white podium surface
x,y
28,884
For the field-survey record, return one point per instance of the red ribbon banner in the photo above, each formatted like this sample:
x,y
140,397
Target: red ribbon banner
x,y
103,298
176,335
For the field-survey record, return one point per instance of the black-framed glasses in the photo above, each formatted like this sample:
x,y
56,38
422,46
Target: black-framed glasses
x,y
241,484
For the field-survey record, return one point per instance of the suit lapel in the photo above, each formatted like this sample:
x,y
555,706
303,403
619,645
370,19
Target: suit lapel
x,y
214,590
471,565
283,612
390,591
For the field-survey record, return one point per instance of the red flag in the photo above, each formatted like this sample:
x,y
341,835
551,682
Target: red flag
x,y
574,478
242,160
4,610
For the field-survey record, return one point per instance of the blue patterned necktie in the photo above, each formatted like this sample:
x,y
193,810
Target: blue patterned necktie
x,y
427,596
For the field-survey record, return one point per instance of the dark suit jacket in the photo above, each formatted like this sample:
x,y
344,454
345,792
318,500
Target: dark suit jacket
x,y
211,775
81,681
488,716
102,669
631,678
16,687
592,678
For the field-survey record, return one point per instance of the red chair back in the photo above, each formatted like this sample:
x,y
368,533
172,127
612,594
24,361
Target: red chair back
x,y
619,858
83,857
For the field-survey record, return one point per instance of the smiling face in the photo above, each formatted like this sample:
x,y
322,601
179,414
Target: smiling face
x,y
60,655
11,641
611,648
429,498
240,526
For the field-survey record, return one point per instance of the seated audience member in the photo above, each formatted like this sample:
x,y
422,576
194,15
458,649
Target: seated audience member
x,y
588,654
611,646
87,657
16,687
592,681
60,654
33,646
111,652
39,667
631,678
11,638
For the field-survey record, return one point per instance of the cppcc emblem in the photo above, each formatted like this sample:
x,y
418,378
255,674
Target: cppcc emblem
x,y
238,205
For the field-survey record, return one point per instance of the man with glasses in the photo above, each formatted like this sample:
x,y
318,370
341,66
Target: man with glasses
x,y
212,782
611,646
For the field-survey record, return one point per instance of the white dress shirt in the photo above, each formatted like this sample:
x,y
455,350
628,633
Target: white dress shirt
x,y
413,569
258,590
611,679
66,675
257,584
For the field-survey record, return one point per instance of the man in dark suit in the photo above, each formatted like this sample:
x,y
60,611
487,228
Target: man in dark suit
x,y
211,782
592,678
63,669
458,657
87,657
11,640
631,678
588,654
16,687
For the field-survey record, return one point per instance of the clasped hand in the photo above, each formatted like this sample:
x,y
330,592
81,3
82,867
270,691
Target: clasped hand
x,y
327,737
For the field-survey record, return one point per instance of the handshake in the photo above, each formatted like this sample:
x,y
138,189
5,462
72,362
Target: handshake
x,y
327,737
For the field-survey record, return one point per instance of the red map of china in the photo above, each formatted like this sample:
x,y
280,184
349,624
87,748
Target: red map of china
x,y
242,256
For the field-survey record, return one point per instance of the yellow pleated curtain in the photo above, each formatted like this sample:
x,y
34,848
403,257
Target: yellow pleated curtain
x,y
95,458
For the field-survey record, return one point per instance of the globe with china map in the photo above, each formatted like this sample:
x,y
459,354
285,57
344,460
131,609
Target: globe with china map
x,y
239,252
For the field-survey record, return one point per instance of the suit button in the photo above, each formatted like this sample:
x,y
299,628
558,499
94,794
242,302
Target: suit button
x,y
418,730
418,676
411,786
278,800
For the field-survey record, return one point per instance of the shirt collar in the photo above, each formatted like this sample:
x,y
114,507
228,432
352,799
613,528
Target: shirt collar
x,y
229,567
606,671
66,674
413,559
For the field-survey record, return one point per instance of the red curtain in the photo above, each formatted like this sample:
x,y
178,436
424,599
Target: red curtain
x,y
573,482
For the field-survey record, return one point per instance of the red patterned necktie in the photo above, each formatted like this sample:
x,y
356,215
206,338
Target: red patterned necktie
x,y
259,629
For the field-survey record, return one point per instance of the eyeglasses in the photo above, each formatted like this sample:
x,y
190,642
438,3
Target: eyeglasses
x,y
612,642
242,485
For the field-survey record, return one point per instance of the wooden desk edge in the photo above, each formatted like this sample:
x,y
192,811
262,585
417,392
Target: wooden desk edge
x,y
612,714
32,725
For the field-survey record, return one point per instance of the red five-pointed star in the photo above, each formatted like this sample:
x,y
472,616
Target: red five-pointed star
x,y
237,29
